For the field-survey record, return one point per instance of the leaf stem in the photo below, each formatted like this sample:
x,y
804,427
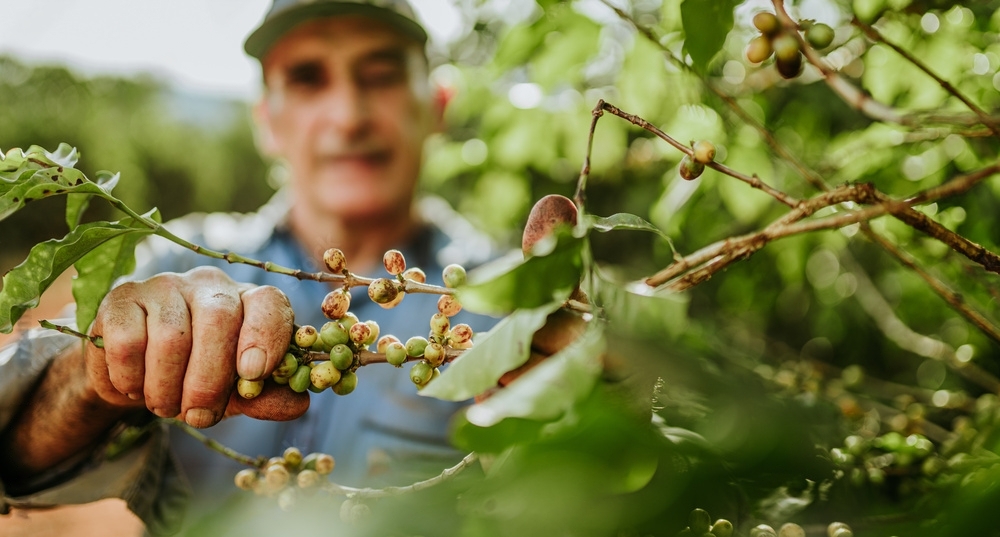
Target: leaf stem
x,y
370,493
98,341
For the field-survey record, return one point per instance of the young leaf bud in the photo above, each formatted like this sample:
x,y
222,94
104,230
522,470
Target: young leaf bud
x,y
384,341
341,356
394,262
336,303
335,260
421,373
249,389
300,380
359,333
453,276
324,375
460,334
305,336
415,274
449,305
439,324
395,353
383,291
689,169
292,456
246,478
348,381
767,23
415,346
759,49
434,354
704,152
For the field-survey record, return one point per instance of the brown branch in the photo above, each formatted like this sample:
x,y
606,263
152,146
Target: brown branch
x,y
579,198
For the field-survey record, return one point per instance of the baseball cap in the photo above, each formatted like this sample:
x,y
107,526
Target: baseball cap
x,y
286,14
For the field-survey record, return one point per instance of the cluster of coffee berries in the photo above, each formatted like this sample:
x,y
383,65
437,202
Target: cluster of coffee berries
x,y
702,153
775,39
287,476
869,460
700,525
443,336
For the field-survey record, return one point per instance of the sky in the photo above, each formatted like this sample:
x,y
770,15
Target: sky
x,y
195,45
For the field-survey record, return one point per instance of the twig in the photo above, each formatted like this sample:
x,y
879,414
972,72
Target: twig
x,y
256,462
371,493
98,341
581,184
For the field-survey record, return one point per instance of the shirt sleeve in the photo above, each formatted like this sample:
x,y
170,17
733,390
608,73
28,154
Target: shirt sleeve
x,y
145,475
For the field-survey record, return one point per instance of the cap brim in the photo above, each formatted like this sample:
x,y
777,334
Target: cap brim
x,y
264,37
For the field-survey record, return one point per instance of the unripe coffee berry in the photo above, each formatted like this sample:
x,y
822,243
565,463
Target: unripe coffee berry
x,y
335,260
394,262
249,389
819,35
276,476
394,302
767,23
763,530
421,373
704,152
324,375
382,291
722,528
415,346
439,324
835,527
348,320
449,305
287,366
305,336
460,334
308,479
324,463
415,274
395,354
384,341
336,303
373,332
699,521
791,529
300,380
789,69
348,381
759,49
292,456
786,47
341,356
246,478
689,169
453,276
279,380
359,333
333,333
434,354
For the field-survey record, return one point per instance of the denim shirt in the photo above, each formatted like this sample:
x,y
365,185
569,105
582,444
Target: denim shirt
x,y
384,425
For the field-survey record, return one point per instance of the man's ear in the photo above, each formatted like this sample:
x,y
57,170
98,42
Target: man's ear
x,y
263,134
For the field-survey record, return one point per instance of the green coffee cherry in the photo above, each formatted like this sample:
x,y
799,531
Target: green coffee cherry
x,y
322,463
789,69
249,389
292,457
308,479
287,366
790,529
335,260
333,333
819,35
834,527
394,262
382,291
353,511
336,303
722,528
394,302
448,305
305,336
421,373
440,324
704,152
280,380
453,276
395,354
372,334
348,381
786,47
767,23
759,49
342,357
415,346
299,382
246,479
359,333
699,521
434,354
415,274
384,341
324,375
689,169
348,320
460,335
763,530
276,476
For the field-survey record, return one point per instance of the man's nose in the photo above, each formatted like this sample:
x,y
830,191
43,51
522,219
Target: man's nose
x,y
346,109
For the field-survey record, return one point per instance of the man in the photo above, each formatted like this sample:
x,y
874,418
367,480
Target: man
x,y
347,105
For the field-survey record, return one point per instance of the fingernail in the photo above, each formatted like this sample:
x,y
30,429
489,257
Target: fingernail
x,y
251,365
134,396
199,417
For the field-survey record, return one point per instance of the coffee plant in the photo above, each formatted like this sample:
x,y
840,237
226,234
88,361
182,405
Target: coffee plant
x,y
616,397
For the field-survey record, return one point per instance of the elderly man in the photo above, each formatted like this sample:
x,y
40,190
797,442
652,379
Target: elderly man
x,y
347,106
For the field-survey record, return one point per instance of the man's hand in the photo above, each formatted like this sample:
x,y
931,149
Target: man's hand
x,y
175,343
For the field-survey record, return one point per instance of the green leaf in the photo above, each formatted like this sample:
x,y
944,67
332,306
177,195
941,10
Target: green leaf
x,y
77,204
642,312
548,389
469,437
620,221
706,25
507,346
98,270
64,155
535,282
25,283
36,174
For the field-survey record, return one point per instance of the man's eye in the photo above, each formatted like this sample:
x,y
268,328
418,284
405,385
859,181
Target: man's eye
x,y
307,76
382,76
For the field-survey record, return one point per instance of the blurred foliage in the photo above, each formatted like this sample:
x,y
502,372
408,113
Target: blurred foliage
x,y
776,396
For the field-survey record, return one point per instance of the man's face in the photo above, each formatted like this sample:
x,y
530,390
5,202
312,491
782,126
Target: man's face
x,y
348,107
